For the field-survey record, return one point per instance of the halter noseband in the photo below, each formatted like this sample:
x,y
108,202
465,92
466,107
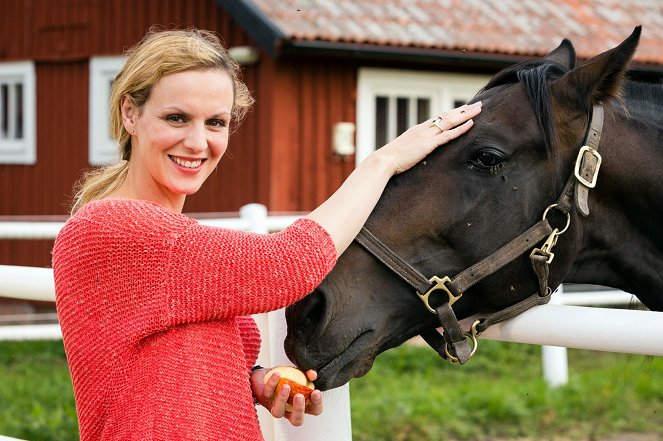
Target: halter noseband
x,y
454,344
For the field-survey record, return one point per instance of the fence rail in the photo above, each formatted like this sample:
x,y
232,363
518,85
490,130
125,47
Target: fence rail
x,y
251,217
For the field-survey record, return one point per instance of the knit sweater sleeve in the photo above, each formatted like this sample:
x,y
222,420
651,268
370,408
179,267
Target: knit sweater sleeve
x,y
172,271
216,273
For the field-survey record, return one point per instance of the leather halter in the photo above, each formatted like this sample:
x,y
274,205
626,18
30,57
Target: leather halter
x,y
454,344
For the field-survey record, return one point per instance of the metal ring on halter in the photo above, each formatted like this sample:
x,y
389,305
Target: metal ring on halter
x,y
568,218
436,123
472,337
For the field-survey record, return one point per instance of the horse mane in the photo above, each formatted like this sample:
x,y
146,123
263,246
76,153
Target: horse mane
x,y
641,91
535,76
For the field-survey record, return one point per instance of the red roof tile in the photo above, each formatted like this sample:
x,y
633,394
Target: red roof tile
x,y
522,27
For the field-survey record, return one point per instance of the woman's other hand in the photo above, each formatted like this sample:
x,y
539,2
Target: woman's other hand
x,y
276,405
346,211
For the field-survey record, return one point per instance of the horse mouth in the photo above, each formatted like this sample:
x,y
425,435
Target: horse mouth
x,y
354,361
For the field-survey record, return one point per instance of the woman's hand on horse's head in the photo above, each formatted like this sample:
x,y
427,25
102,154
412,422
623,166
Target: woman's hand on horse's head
x,y
346,211
419,141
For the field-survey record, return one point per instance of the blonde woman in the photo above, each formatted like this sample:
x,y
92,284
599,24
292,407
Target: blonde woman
x,y
154,307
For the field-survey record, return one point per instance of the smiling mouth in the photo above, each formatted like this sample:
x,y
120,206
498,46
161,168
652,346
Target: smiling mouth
x,y
192,164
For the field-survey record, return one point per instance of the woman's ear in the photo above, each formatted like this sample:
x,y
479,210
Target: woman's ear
x,y
129,114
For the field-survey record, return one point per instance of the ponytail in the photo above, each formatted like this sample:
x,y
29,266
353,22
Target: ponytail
x,y
99,183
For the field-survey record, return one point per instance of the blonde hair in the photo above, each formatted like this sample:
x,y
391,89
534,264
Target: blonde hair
x,y
159,53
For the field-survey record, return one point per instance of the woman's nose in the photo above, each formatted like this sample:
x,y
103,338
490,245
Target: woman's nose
x,y
195,139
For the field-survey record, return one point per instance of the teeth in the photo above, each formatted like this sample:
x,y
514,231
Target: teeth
x,y
187,164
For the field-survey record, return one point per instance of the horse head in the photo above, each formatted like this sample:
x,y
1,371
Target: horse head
x,y
469,198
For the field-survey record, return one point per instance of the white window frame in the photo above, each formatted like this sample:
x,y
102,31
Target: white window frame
x,y
102,149
21,151
443,89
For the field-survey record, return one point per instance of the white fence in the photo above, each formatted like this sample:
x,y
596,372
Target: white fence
x,y
555,326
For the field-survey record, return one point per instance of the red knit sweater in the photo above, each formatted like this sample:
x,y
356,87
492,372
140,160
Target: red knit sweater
x,y
153,308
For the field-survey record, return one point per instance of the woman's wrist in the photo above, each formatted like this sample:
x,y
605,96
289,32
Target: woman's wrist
x,y
253,370
379,163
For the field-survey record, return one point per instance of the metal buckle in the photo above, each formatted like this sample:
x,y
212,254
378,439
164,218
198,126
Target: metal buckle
x,y
576,172
439,284
546,248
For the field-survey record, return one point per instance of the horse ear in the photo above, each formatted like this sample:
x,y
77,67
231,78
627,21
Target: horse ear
x,y
563,54
598,78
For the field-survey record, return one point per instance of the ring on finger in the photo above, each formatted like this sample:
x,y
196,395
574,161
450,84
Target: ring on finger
x,y
437,122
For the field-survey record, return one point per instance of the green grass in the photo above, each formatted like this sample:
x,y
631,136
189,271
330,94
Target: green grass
x,y
409,395
36,397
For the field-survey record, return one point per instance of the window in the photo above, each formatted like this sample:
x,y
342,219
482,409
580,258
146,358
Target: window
x,y
17,113
102,148
390,101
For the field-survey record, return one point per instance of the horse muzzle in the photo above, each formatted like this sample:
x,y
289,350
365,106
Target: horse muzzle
x,y
336,353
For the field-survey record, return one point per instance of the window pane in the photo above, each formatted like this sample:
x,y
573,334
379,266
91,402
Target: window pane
x,y
402,108
18,134
4,117
381,120
423,109
17,140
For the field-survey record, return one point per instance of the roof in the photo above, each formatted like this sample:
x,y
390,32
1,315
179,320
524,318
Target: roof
x,y
503,28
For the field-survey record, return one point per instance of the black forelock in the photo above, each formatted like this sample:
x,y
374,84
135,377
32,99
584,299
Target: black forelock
x,y
535,76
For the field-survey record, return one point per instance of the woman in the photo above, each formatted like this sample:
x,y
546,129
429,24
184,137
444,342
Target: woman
x,y
154,307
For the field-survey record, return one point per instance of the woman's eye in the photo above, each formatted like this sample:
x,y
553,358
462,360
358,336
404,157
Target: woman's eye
x,y
218,123
175,118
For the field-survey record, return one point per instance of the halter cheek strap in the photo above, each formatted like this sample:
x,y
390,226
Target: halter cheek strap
x,y
586,168
588,162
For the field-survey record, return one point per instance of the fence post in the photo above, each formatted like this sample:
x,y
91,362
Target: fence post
x,y
335,422
256,216
554,358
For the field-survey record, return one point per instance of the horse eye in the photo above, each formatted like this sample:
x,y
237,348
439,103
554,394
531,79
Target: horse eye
x,y
485,159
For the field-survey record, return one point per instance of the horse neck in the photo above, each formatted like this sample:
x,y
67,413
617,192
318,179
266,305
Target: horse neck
x,y
622,238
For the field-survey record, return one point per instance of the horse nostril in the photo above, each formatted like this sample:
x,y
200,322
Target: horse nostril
x,y
315,318
307,316
306,321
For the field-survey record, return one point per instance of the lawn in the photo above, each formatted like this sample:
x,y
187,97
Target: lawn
x,y
36,398
409,395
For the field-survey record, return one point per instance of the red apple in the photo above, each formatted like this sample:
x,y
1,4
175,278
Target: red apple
x,y
296,379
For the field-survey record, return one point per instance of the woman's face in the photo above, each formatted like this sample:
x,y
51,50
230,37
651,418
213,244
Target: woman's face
x,y
180,134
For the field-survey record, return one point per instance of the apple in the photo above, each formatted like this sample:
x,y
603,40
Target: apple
x,y
296,379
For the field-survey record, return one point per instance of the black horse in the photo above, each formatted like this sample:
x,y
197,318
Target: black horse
x,y
596,210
